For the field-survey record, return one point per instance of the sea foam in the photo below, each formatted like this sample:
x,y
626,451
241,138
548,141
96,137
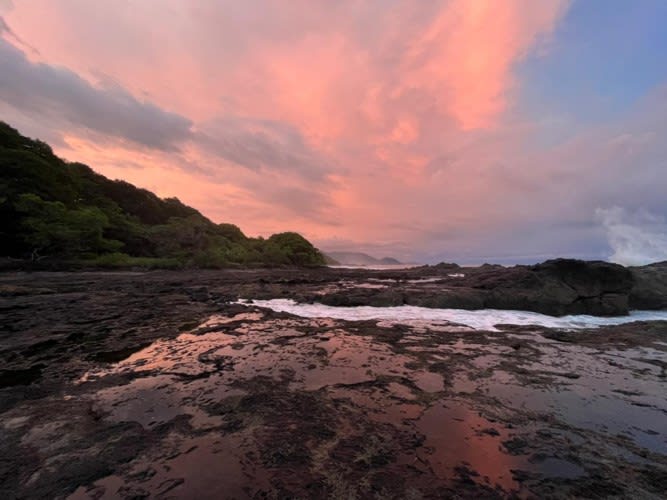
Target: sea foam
x,y
481,319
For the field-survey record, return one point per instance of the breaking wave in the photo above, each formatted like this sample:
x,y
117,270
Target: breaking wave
x,y
482,319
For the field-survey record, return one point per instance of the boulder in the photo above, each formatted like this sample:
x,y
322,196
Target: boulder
x,y
564,286
587,278
556,287
650,286
453,298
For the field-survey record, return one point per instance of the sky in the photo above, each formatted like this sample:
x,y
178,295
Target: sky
x,y
507,131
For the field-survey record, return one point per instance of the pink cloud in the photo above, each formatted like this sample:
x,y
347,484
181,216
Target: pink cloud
x,y
465,55
352,120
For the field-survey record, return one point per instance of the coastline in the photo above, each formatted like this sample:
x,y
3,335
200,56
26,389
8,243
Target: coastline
x,y
166,374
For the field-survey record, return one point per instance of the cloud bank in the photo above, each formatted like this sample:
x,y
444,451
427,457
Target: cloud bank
x,y
49,91
398,126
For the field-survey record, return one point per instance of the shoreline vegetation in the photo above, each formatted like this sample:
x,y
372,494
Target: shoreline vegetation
x,y
62,215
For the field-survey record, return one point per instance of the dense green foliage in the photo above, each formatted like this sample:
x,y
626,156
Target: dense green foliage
x,y
64,211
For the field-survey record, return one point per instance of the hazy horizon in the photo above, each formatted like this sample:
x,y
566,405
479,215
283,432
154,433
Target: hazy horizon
x,y
456,130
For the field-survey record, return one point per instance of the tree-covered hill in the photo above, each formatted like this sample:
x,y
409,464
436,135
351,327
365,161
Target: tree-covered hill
x,y
55,211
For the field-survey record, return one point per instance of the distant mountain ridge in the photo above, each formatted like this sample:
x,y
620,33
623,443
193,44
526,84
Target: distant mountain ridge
x,y
357,259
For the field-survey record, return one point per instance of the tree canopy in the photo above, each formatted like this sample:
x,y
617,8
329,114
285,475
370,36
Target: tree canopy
x,y
50,208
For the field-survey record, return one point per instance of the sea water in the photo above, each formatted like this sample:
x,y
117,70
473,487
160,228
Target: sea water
x,y
481,319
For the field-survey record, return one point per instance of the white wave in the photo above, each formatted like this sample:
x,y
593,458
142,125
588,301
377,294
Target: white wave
x,y
482,319
636,238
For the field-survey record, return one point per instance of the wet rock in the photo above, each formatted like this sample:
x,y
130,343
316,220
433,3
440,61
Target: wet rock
x,y
559,287
596,487
199,294
650,286
587,278
26,376
119,354
363,297
281,406
515,446
458,298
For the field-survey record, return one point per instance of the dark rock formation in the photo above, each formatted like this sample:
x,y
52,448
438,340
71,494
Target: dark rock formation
x,y
557,287
650,286
564,286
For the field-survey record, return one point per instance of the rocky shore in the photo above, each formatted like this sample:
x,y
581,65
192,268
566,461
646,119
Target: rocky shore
x,y
556,287
156,384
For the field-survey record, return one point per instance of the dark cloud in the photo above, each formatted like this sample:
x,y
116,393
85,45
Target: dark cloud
x,y
303,202
44,90
263,144
284,170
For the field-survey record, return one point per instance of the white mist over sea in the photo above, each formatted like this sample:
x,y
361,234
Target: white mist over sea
x,y
636,238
